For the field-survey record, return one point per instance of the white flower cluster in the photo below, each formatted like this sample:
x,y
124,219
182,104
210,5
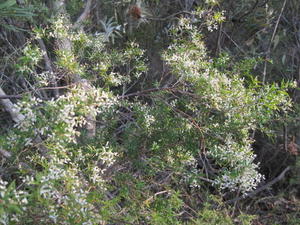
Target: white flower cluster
x,y
44,78
61,28
245,182
61,117
66,189
191,178
97,42
233,153
107,156
31,57
26,108
241,173
107,159
187,62
62,181
27,126
12,203
230,99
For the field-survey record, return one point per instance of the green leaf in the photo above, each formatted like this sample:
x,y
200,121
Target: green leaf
x,y
7,4
14,208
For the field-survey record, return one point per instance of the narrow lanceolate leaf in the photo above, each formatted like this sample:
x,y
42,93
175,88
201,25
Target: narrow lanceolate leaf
x,y
7,4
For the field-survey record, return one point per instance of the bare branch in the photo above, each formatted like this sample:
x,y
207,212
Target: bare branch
x,y
84,14
10,108
10,96
6,154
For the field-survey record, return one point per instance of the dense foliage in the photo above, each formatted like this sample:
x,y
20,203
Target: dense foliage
x,y
132,112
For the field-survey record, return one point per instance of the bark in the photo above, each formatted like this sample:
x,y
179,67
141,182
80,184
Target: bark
x,y
84,14
11,108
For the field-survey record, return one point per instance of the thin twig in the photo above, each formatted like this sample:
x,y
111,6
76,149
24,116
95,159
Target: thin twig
x,y
141,93
169,17
268,53
2,96
158,193
234,42
218,42
285,132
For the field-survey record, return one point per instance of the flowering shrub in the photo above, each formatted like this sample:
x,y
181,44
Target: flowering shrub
x,y
226,109
150,148
13,202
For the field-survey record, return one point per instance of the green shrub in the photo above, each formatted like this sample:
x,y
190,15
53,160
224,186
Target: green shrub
x,y
145,158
